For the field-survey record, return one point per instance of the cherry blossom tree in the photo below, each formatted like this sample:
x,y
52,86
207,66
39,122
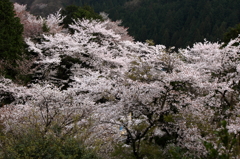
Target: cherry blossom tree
x,y
98,81
33,25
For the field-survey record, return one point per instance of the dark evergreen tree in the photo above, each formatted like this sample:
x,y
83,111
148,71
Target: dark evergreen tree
x,y
11,40
232,33
74,12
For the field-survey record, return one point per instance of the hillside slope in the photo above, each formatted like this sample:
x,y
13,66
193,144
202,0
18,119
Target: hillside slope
x,y
93,89
172,23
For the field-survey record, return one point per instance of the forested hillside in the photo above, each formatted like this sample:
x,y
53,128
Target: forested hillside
x,y
85,89
170,22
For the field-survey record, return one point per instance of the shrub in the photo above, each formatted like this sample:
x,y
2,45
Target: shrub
x,y
32,143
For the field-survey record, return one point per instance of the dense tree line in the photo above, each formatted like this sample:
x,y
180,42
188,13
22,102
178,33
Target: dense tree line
x,y
176,23
173,23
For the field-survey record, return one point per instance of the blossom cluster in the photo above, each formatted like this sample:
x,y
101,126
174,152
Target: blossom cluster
x,y
94,75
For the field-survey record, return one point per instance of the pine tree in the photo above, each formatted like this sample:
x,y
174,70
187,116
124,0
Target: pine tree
x,y
11,40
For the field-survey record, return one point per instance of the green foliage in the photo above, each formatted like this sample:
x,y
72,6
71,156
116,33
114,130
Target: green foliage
x,y
168,22
150,42
140,73
151,151
168,118
11,40
232,33
32,143
171,22
175,152
227,144
12,45
123,151
45,28
74,12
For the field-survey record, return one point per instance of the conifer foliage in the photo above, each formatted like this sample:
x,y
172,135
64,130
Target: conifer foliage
x,y
74,12
11,41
